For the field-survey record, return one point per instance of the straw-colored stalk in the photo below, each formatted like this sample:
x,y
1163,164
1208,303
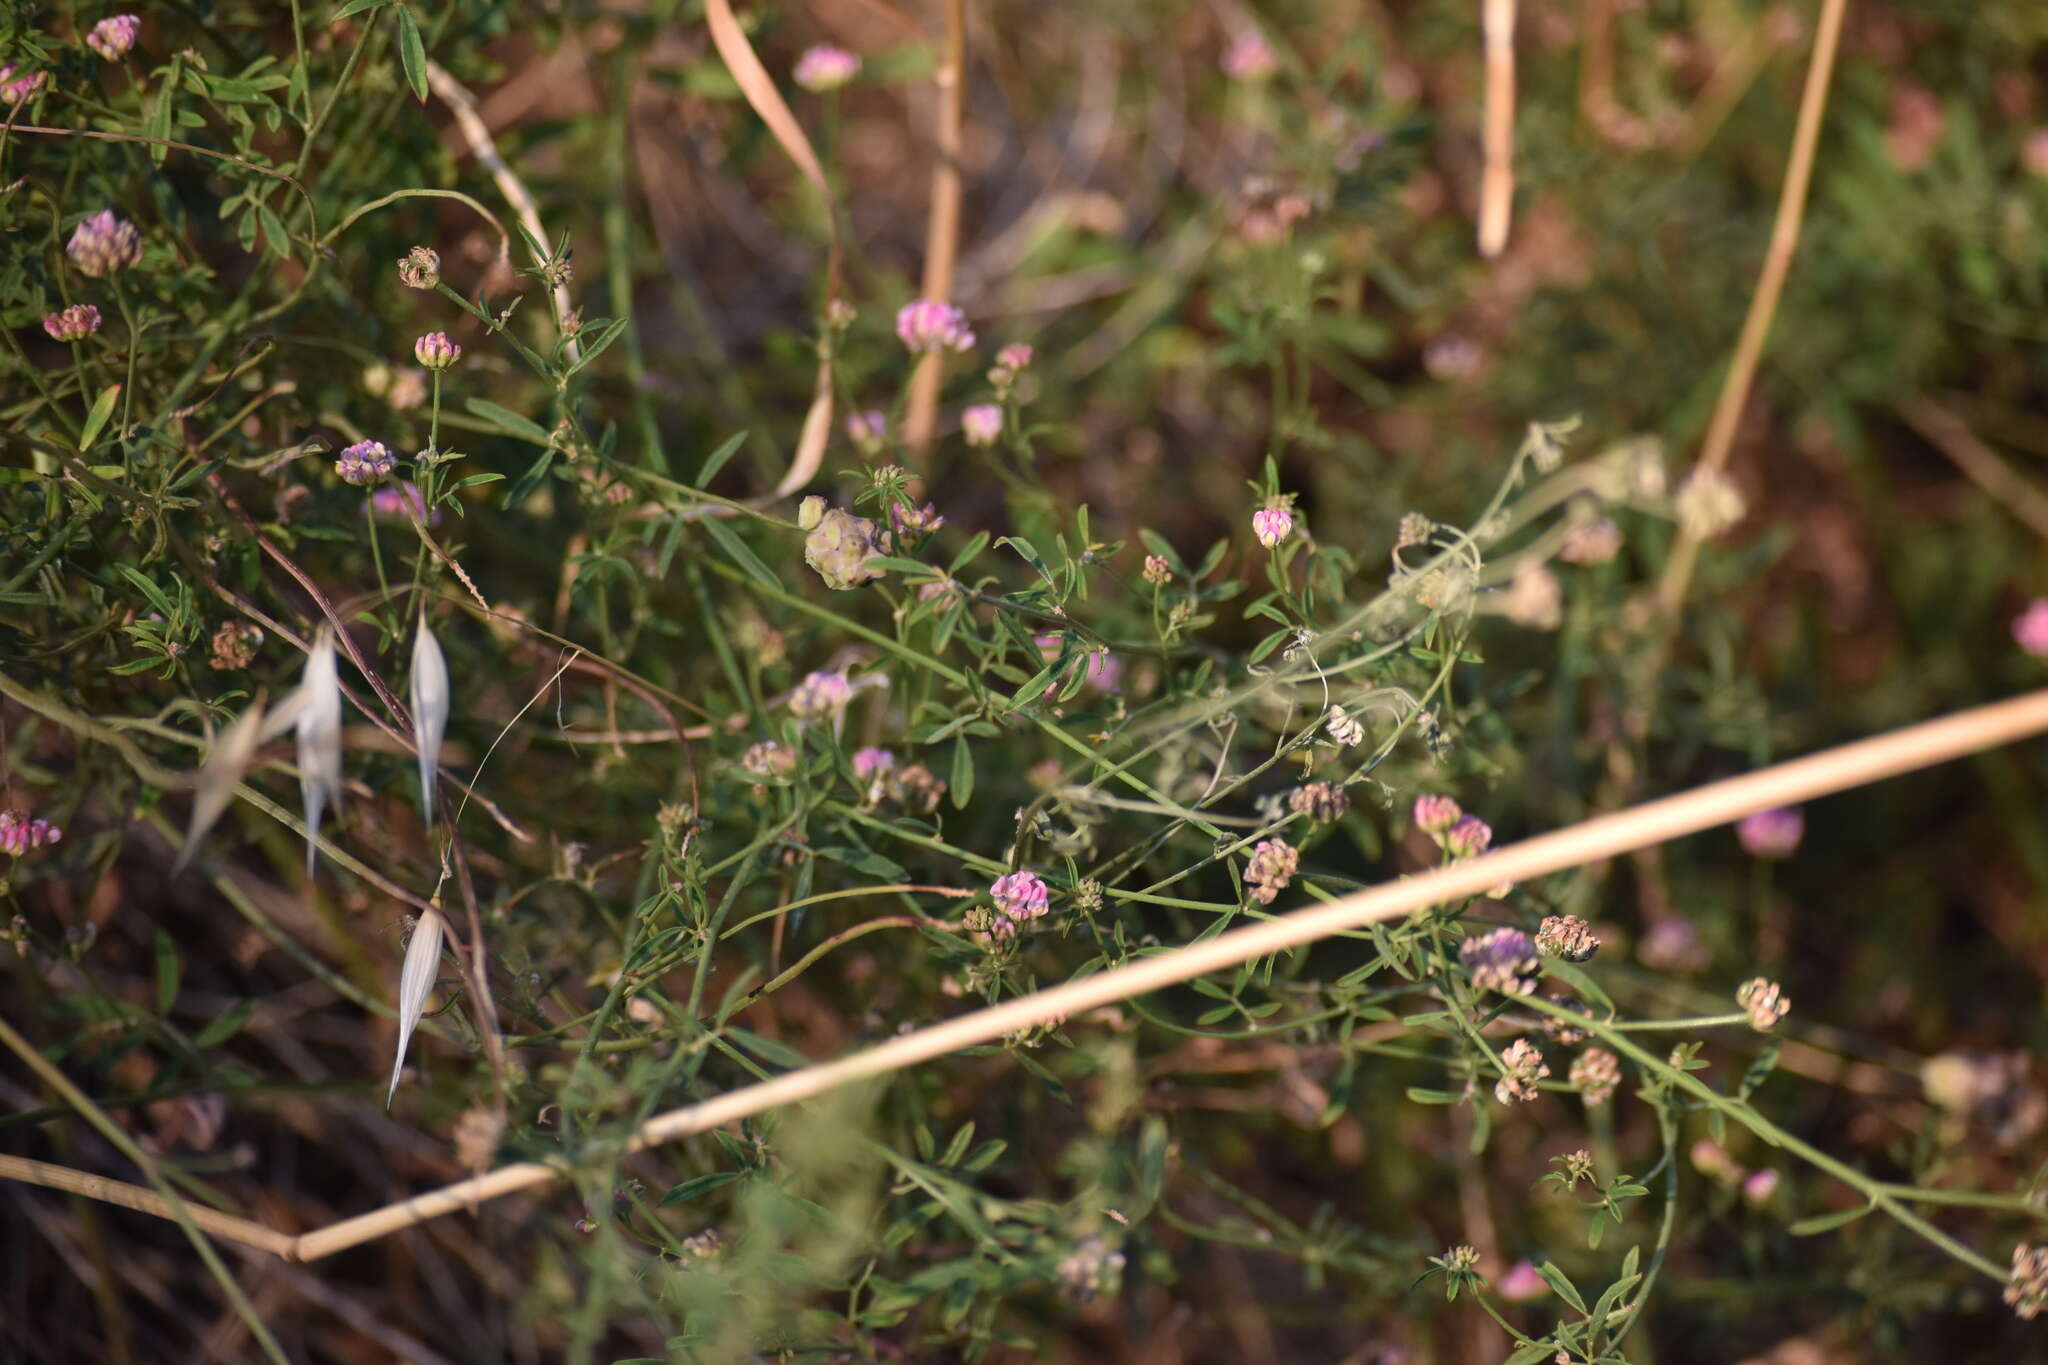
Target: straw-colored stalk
x,y
1608,836
942,231
1497,180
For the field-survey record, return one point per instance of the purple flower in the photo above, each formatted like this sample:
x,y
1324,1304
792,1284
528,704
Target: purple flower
x,y
1771,833
867,430
928,325
1468,838
2030,628
18,834
365,463
1521,1284
1250,58
1015,356
825,67
103,244
1019,896
400,500
1435,814
436,351
872,763
982,424
820,694
79,320
1505,960
914,521
112,38
1272,525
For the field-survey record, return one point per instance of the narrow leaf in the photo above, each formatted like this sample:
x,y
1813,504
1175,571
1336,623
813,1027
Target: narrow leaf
x,y
507,420
715,461
102,409
415,984
429,709
412,52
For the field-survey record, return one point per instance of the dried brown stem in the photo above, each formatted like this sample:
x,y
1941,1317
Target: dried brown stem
x,y
1951,435
1833,770
942,231
1770,284
1497,181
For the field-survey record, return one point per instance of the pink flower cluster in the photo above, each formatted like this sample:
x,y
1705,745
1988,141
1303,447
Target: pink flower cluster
x,y
18,834
113,38
102,244
70,324
825,67
1274,863
364,463
929,325
1018,896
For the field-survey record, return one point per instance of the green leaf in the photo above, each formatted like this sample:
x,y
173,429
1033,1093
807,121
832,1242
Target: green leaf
x,y
273,230
1421,1096
1561,1282
696,1185
412,52
166,972
225,1027
148,589
767,1049
598,347
535,472
715,461
1828,1222
355,7
507,421
102,409
963,773
1533,1352
730,542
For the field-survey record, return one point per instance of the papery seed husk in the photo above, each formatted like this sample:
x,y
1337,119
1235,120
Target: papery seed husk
x,y
233,750
319,732
415,984
430,697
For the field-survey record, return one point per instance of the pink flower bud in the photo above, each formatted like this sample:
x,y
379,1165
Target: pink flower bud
x,y
1272,525
982,424
1771,833
436,351
2030,628
1435,814
1020,896
79,320
825,67
112,38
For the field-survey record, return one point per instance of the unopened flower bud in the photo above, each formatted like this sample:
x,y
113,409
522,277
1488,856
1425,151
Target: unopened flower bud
x,y
113,38
436,351
79,320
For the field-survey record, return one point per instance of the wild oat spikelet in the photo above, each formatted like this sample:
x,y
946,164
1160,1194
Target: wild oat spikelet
x,y
429,709
415,984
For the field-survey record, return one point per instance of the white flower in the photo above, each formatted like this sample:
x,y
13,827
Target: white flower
x,y
429,708
415,984
318,705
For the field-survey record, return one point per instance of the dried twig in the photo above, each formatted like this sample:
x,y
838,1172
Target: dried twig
x,y
1497,182
1770,283
942,232
1951,435
1608,836
462,105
